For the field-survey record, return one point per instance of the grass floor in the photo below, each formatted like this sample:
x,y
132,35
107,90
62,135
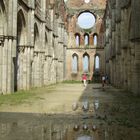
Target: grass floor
x,y
23,95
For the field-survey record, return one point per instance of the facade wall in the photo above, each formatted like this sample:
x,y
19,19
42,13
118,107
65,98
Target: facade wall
x,y
122,44
91,49
80,53
29,42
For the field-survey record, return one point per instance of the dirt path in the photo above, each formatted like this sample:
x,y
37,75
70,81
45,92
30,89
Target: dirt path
x,y
57,100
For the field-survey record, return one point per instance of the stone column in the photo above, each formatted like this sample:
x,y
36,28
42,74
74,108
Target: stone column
x,y
1,45
81,40
91,40
80,63
136,69
9,70
64,62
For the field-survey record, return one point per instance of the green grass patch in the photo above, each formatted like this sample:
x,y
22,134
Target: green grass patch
x,y
23,96
15,98
71,82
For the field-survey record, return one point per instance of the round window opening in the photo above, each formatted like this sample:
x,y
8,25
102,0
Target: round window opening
x,y
86,20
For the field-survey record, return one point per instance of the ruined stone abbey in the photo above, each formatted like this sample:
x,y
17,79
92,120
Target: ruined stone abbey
x,y
41,43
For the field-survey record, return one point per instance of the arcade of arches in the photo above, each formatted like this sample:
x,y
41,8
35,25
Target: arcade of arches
x,y
42,43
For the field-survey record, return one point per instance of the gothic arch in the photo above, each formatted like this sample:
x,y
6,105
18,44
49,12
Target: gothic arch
x,y
36,35
95,39
2,17
46,38
21,28
97,62
86,62
75,63
83,11
77,39
2,6
86,39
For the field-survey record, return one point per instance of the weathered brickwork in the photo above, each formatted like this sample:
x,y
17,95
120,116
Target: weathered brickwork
x,y
75,8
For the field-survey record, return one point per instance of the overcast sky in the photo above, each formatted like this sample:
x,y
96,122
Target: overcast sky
x,y
86,20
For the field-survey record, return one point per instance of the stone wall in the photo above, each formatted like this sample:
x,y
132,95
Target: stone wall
x,y
31,44
91,50
122,44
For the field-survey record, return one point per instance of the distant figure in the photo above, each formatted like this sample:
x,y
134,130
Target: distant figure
x,y
84,78
106,79
103,81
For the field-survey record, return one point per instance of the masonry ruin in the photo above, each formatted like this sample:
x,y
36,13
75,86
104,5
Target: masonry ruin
x,y
40,40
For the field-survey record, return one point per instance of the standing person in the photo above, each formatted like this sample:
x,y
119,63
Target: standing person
x,y
106,79
103,81
84,78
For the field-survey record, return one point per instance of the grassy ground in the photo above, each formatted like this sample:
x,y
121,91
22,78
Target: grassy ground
x,y
71,82
22,96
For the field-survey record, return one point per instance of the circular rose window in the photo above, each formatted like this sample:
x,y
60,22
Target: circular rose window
x,y
86,20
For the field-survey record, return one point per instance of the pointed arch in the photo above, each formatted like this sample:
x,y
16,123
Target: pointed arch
x,y
86,62
77,39
75,63
95,39
46,38
97,62
2,17
46,43
36,32
21,28
86,39
36,35
2,6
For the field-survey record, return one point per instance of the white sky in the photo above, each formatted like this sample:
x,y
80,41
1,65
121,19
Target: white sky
x,y
86,20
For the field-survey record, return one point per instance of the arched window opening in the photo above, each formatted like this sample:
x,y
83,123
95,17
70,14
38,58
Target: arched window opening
x,y
86,38
36,36
85,63
2,17
95,40
46,38
74,63
21,24
77,39
97,63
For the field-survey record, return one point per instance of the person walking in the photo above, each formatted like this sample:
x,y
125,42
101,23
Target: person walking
x,y
103,81
84,78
